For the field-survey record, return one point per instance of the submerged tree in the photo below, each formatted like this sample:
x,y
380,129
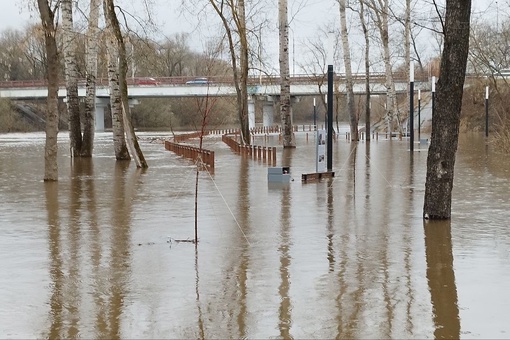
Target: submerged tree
x,y
349,86
71,74
91,74
233,17
47,15
132,141
285,104
446,116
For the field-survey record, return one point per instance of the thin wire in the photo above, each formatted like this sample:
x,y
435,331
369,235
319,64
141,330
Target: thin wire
x,y
223,198
343,165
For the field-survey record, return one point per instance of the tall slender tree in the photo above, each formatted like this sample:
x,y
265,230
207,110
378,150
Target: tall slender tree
x,y
132,141
91,74
446,116
71,74
47,15
349,86
285,104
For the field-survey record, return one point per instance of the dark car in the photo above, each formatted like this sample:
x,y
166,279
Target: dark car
x,y
198,81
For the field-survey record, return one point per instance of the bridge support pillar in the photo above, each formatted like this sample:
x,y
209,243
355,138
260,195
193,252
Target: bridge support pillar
x,y
101,104
251,113
268,112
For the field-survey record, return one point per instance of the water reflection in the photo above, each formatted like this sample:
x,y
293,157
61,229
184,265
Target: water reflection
x,y
347,257
441,279
56,274
285,308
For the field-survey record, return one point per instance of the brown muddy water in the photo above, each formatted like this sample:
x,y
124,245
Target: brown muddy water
x,y
95,255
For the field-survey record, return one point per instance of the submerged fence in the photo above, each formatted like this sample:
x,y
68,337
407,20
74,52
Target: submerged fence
x,y
253,151
205,156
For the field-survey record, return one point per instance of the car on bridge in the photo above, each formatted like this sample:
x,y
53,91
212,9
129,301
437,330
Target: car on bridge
x,y
196,81
145,81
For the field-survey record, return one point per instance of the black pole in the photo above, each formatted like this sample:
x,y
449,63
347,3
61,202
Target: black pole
x,y
486,111
411,116
314,116
330,119
419,111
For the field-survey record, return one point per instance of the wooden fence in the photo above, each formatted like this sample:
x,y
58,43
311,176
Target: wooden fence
x,y
191,152
267,154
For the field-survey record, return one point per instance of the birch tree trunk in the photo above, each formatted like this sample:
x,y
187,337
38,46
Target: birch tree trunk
x,y
349,87
380,10
407,52
91,69
71,73
364,27
446,116
237,15
131,139
285,104
50,147
119,140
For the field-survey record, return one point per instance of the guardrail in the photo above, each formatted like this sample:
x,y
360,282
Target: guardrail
x,y
205,156
266,154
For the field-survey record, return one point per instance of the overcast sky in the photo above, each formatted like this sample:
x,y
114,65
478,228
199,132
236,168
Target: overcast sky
x,y
304,26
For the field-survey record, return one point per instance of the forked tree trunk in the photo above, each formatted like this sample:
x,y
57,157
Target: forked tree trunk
x,y
353,115
240,72
285,104
119,140
131,139
50,147
71,73
446,116
90,98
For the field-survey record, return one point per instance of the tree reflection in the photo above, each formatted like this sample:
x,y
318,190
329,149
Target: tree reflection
x,y
441,279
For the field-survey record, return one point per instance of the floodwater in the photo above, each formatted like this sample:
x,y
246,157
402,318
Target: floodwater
x,y
96,255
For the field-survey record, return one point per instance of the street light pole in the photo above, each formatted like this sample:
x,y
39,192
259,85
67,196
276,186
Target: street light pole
x,y
487,111
419,111
411,107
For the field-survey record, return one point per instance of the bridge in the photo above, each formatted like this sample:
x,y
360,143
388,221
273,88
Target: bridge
x,y
266,88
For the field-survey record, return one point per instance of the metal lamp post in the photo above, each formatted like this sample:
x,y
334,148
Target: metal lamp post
x,y
486,111
411,107
419,111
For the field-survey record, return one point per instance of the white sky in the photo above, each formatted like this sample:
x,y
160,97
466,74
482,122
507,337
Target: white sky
x,y
306,24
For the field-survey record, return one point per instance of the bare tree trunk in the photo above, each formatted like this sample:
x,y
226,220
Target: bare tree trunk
x,y
50,149
71,72
285,104
243,59
367,69
119,140
240,73
349,87
446,116
380,10
90,98
407,52
131,139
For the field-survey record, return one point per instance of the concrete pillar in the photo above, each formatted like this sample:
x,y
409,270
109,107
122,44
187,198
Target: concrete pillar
x,y
251,113
101,104
267,113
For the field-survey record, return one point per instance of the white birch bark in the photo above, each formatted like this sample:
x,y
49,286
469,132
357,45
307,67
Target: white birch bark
x,y
353,115
91,69
119,140
71,74
285,104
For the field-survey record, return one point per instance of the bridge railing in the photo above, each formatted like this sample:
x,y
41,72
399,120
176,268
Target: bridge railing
x,y
220,80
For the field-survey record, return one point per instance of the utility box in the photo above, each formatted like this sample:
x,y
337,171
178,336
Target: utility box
x,y
279,174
